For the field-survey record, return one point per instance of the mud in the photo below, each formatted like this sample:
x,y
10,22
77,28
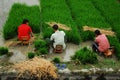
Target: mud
x,y
69,51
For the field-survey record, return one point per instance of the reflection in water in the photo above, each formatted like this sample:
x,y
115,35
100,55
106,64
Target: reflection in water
x,y
70,50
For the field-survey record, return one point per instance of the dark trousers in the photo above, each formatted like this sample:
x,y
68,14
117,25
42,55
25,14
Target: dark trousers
x,y
49,42
95,47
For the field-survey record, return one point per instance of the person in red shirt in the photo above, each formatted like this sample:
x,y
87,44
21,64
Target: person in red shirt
x,y
24,30
101,43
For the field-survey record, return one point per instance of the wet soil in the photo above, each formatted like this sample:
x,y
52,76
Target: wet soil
x,y
22,51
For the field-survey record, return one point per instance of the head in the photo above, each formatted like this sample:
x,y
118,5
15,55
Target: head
x,y
97,32
55,27
25,21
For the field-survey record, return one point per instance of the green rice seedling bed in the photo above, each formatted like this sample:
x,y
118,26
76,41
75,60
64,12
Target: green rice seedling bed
x,y
58,11
17,13
101,14
84,13
110,9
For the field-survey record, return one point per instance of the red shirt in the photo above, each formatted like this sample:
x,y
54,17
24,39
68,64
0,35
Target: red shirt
x,y
24,30
103,43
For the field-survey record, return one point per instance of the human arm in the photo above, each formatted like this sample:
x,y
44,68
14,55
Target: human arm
x,y
30,32
32,35
65,37
52,38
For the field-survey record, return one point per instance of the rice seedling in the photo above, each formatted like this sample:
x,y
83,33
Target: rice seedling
x,y
58,11
17,13
115,42
85,55
3,51
110,10
85,14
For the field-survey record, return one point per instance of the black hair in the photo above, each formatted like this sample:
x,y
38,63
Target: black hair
x,y
55,27
25,21
97,32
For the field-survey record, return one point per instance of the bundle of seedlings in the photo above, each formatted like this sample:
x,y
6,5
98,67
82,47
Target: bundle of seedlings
x,y
85,56
36,68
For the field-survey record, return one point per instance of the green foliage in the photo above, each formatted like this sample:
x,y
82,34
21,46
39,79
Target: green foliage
x,y
85,56
110,10
41,46
47,31
43,50
3,50
38,54
87,35
115,42
58,11
31,55
85,13
17,13
56,60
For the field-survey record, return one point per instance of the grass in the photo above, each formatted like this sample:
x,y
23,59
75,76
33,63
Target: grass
x,y
84,13
58,11
41,46
17,13
96,13
3,51
110,10
115,42
74,14
85,55
105,63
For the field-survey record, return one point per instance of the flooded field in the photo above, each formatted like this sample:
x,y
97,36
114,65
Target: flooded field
x,y
20,51
5,6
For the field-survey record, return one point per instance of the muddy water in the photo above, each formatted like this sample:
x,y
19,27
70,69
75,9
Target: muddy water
x,y
17,57
70,50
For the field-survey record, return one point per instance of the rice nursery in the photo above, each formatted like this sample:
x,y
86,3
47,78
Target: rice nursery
x,y
17,13
58,11
73,15
109,9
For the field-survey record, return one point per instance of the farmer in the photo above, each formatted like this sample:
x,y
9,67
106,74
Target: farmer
x,y
58,37
25,31
101,44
